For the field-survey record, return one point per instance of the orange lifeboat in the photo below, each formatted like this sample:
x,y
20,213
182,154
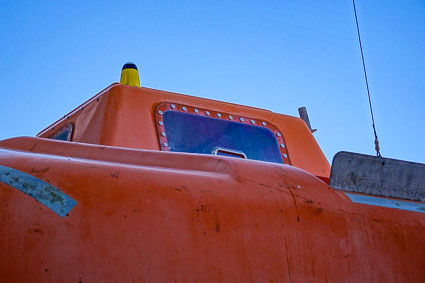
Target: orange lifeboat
x,y
143,185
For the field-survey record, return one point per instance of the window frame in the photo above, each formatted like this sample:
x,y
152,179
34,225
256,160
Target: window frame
x,y
214,114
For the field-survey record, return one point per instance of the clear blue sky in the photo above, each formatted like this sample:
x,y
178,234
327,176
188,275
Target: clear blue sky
x,y
276,55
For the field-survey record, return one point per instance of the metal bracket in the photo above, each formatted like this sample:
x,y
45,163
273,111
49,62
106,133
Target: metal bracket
x,y
304,116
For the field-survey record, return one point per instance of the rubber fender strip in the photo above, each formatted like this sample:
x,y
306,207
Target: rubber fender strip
x,y
391,203
36,188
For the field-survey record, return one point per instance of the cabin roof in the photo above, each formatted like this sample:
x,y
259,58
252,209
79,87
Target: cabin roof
x,y
127,116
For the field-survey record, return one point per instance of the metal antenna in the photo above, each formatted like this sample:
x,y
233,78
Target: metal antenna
x,y
378,153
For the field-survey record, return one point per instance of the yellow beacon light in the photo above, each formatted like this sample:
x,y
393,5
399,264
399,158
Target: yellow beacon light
x,y
130,75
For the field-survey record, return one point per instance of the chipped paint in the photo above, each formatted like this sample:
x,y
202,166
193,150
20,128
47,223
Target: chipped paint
x,y
36,188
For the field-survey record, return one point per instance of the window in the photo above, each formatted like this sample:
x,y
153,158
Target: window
x,y
64,134
211,132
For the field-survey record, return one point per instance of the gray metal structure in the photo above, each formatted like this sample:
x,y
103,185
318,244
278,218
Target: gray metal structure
x,y
378,176
304,116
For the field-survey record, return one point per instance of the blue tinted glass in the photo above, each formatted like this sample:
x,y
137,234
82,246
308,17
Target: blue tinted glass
x,y
63,135
199,134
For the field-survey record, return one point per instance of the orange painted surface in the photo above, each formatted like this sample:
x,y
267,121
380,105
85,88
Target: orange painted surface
x,y
145,215
163,217
124,116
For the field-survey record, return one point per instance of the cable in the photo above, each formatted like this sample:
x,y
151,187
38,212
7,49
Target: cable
x,y
377,148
